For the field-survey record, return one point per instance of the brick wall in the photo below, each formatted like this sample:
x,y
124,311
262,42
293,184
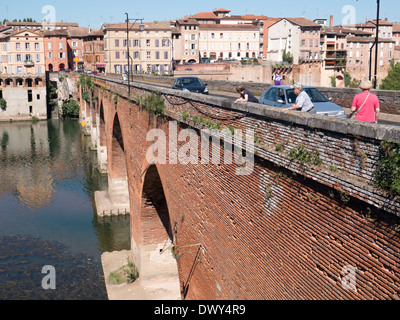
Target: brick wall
x,y
286,231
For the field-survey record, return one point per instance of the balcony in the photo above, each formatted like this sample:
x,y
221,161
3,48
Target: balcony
x,y
29,63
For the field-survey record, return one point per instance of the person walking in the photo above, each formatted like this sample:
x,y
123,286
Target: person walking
x,y
278,78
303,101
245,95
366,104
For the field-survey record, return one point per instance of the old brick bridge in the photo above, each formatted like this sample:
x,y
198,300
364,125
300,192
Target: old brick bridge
x,y
308,221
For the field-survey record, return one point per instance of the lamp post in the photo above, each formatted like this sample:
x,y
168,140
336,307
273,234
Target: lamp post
x,y
141,28
171,43
377,43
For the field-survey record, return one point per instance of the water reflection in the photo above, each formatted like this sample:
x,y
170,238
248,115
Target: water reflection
x,y
48,179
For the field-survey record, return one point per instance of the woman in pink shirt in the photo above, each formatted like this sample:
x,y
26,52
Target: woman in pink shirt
x,y
367,104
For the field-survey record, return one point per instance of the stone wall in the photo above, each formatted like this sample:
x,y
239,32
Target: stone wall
x,y
288,229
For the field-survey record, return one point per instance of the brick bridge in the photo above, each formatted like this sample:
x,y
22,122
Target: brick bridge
x,y
289,229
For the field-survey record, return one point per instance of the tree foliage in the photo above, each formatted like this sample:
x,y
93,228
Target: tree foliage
x,y
392,81
70,109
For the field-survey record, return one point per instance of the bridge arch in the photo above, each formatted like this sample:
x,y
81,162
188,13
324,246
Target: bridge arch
x,y
101,138
157,265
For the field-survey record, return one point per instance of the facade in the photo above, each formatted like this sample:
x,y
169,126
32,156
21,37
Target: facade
x,y
186,41
22,52
76,47
229,41
18,26
359,57
94,51
150,49
56,49
25,95
299,36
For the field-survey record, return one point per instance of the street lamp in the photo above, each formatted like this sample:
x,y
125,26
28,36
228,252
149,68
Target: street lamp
x,y
171,43
141,28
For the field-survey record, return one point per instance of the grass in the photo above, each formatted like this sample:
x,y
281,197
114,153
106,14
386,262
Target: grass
x,y
126,274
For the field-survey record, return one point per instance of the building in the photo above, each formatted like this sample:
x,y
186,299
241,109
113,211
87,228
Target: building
x,y
76,52
229,41
26,96
56,50
94,51
22,52
299,36
361,55
41,26
185,36
150,49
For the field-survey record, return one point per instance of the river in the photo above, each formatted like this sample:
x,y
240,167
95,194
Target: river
x,y
47,214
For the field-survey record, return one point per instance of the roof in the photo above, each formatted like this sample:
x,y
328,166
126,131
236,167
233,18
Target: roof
x,y
303,22
55,33
155,25
188,21
248,27
221,10
254,17
39,24
344,31
205,15
78,32
396,27
98,32
368,39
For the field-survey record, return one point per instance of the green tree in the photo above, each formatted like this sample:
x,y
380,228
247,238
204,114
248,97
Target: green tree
x,y
3,104
347,79
70,109
287,56
392,81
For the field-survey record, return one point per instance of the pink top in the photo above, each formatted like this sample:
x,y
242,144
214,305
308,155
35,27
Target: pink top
x,y
367,113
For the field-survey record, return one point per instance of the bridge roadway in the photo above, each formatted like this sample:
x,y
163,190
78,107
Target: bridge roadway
x,y
394,121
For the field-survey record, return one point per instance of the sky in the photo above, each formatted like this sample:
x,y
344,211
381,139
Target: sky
x,y
94,13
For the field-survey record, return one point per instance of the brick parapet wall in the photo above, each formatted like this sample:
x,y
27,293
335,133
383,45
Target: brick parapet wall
x,y
287,230
389,100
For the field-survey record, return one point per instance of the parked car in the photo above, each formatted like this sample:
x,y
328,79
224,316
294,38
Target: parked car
x,y
205,60
95,73
284,97
190,84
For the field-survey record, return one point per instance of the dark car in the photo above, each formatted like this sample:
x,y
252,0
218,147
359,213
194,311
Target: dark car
x,y
284,97
190,84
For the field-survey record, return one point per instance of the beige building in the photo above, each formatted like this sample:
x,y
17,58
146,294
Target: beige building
x,y
229,41
299,36
186,41
150,49
22,52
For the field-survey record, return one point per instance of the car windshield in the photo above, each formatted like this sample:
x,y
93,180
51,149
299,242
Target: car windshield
x,y
191,82
314,94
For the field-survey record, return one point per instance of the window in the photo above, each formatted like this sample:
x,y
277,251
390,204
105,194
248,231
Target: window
x,y
49,45
18,46
117,43
18,58
50,55
27,46
37,46
38,58
148,55
117,55
61,45
157,55
148,43
165,54
212,35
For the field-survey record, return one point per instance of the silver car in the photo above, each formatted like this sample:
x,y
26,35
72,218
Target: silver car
x,y
284,97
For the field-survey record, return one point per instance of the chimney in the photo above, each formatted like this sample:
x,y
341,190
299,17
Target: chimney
x,y
331,22
386,19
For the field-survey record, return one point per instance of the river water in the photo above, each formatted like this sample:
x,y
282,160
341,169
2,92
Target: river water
x,y
48,177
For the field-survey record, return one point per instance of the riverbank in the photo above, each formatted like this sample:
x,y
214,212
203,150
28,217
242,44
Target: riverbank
x,y
114,261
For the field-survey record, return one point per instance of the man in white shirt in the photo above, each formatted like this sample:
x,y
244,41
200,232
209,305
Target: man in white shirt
x,y
303,101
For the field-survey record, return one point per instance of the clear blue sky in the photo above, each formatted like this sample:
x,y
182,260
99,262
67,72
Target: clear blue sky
x,y
93,13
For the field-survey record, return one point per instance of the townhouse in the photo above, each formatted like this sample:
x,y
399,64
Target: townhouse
x,y
150,47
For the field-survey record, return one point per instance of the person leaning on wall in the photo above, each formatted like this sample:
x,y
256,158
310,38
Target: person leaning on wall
x,y
366,104
245,95
303,102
